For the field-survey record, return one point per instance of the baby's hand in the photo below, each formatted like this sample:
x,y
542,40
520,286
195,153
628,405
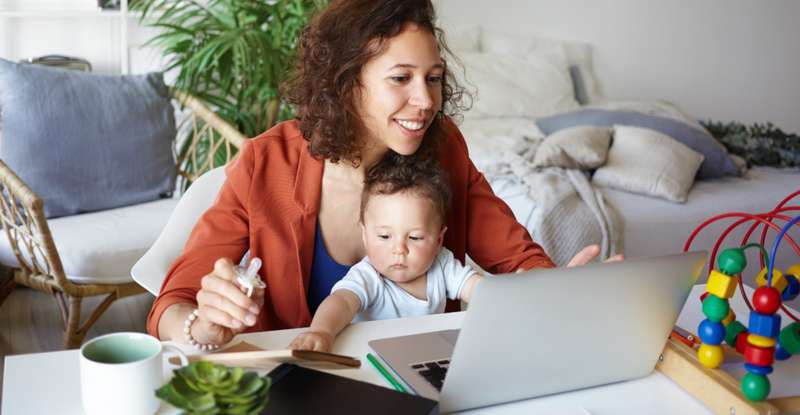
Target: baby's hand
x,y
312,340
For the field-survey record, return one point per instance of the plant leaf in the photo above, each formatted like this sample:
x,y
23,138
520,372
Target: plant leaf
x,y
232,54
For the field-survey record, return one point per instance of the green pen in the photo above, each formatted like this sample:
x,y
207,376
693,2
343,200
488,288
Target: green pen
x,y
386,375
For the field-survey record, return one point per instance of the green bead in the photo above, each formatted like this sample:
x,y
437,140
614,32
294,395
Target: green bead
x,y
715,308
790,338
732,330
732,261
755,387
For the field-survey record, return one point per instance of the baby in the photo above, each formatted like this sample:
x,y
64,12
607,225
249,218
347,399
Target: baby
x,y
407,272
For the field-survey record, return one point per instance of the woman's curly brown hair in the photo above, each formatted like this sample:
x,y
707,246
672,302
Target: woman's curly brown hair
x,y
395,173
332,51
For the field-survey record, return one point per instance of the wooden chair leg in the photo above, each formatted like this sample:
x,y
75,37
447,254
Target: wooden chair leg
x,y
73,336
75,331
7,285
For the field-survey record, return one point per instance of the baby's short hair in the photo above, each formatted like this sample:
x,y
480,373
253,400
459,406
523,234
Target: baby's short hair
x,y
396,173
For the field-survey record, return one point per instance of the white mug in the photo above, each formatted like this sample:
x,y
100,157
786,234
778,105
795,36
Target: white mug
x,y
120,373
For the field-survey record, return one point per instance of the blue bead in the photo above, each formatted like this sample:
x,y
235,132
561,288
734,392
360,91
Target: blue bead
x,y
764,325
781,353
711,332
792,289
758,370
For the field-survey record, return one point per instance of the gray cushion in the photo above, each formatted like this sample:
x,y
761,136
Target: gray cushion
x,y
583,148
717,161
647,162
85,142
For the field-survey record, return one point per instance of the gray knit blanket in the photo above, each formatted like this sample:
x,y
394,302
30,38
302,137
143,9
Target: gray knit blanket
x,y
568,212
560,208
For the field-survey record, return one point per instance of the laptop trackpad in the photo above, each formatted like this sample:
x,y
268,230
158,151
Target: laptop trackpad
x,y
451,336
405,350
406,355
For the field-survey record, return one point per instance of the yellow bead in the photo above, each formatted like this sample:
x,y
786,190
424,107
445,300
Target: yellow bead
x,y
760,341
721,285
731,316
794,270
778,280
710,356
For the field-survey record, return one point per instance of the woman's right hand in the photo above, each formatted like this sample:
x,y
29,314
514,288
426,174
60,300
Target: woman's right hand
x,y
223,309
589,253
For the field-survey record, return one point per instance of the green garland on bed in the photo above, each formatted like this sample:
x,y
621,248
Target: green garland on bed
x,y
759,144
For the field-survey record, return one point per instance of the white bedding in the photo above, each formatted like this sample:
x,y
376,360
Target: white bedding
x,y
655,227
651,226
559,206
488,138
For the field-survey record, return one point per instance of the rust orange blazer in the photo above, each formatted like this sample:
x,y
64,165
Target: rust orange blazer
x,y
269,205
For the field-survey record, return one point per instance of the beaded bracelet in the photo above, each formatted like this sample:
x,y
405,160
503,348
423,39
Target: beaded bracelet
x,y
187,330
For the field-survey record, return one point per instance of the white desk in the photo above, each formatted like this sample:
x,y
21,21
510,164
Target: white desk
x,y
46,383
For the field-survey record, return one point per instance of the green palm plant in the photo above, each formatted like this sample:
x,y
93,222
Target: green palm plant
x,y
232,54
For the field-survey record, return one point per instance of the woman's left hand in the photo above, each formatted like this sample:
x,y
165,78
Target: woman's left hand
x,y
589,253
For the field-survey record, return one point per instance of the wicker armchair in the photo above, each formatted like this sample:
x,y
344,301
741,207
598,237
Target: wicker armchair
x,y
40,266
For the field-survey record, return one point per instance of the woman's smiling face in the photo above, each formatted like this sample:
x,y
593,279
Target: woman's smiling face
x,y
401,91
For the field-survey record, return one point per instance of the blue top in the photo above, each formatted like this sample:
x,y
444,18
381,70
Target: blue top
x,y
325,272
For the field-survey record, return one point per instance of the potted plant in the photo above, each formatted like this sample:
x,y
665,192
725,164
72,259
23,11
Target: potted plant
x,y
207,388
232,54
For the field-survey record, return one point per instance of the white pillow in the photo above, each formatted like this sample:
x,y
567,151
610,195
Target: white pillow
x,y
648,162
578,54
583,147
505,86
464,40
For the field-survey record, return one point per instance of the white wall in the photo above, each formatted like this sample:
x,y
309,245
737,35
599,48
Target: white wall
x,y
719,59
33,28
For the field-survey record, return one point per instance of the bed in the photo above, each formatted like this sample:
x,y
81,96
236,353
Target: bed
x,y
504,123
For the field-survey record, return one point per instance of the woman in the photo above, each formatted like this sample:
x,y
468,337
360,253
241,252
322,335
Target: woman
x,y
370,81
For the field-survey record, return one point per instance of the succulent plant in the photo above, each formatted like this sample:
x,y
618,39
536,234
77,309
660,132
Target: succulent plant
x,y
208,388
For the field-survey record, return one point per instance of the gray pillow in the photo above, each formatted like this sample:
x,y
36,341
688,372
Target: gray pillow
x,y
647,162
85,142
717,161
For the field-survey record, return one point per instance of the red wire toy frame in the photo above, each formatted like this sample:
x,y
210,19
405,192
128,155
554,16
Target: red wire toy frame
x,y
763,218
763,341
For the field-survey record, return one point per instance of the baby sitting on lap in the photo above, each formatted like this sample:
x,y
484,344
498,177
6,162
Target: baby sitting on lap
x,y
407,272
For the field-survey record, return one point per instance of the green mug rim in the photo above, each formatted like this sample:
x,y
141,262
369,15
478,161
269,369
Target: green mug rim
x,y
138,356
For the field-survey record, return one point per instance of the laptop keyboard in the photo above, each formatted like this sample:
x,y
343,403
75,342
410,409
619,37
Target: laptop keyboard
x,y
434,372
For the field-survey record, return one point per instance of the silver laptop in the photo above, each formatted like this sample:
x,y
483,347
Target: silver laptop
x,y
548,331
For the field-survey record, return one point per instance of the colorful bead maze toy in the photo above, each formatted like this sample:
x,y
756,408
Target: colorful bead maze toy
x,y
762,341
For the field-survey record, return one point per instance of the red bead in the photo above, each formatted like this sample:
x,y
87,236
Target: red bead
x,y
766,300
759,356
741,341
703,296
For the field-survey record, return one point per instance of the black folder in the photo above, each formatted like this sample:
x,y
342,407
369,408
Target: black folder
x,y
299,390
